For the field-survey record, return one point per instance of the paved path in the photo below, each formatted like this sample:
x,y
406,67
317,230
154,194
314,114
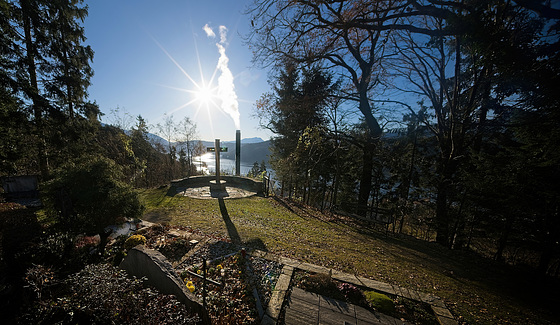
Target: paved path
x,y
309,308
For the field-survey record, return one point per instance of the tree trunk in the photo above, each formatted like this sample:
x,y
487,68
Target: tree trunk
x,y
502,242
365,180
33,92
373,134
442,213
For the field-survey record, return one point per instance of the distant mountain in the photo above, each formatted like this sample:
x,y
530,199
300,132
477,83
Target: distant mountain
x,y
252,149
153,138
250,152
252,140
247,140
258,152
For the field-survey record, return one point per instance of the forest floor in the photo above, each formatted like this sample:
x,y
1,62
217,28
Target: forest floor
x,y
475,289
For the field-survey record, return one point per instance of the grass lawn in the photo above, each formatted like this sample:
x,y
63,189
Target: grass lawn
x,y
476,290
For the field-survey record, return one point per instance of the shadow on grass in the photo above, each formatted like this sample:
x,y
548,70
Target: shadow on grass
x,y
157,216
303,211
256,243
231,229
468,268
284,204
171,191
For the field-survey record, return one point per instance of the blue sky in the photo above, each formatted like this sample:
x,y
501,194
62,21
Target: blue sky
x,y
147,52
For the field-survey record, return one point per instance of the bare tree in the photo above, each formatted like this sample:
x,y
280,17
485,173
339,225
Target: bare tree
x,y
121,118
316,33
168,130
187,134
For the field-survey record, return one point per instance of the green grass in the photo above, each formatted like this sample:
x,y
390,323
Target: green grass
x,y
476,290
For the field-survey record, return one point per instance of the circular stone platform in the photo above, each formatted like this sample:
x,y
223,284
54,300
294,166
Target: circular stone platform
x,y
204,192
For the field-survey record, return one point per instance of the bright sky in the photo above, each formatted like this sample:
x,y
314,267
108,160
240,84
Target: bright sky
x,y
155,57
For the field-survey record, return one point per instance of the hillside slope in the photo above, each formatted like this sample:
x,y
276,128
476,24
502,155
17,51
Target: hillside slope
x,y
477,290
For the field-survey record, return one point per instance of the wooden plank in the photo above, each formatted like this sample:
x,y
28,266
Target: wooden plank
x,y
336,306
296,318
331,317
302,308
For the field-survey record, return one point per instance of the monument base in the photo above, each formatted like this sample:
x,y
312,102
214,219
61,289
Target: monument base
x,y
215,186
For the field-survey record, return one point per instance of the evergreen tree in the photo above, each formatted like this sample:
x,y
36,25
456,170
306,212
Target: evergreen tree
x,y
71,72
47,66
298,103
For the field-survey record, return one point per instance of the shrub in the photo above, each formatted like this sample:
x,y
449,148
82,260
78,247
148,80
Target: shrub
x,y
322,284
89,194
351,292
39,278
380,302
134,240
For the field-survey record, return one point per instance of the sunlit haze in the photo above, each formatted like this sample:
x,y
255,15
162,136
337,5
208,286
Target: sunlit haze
x,y
179,58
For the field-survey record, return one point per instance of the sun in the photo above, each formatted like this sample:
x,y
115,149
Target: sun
x,y
204,95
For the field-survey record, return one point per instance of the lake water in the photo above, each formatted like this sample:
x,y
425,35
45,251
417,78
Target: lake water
x,y
226,165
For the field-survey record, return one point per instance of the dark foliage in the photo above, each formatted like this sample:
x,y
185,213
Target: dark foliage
x,y
101,294
89,195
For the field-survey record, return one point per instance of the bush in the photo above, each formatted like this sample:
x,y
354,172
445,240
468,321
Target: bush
x,y
323,284
133,241
380,302
351,292
60,249
88,195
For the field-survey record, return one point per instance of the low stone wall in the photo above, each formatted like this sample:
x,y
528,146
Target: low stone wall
x,y
149,263
235,181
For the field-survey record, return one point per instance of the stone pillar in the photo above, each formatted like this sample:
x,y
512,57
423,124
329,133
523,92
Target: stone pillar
x,y
217,146
237,152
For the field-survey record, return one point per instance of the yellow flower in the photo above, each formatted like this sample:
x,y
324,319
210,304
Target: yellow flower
x,y
189,284
191,288
219,267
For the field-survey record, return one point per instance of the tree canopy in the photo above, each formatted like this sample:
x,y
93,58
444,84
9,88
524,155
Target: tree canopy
x,y
478,75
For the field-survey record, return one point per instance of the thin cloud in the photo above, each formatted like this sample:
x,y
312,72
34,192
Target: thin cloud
x,y
209,31
223,34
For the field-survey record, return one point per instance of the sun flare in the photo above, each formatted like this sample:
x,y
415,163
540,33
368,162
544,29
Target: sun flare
x,y
204,95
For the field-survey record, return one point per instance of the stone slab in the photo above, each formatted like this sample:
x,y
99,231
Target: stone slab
x,y
428,298
275,303
403,292
346,277
378,286
414,294
288,270
447,321
289,261
438,303
179,233
442,312
314,268
283,282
